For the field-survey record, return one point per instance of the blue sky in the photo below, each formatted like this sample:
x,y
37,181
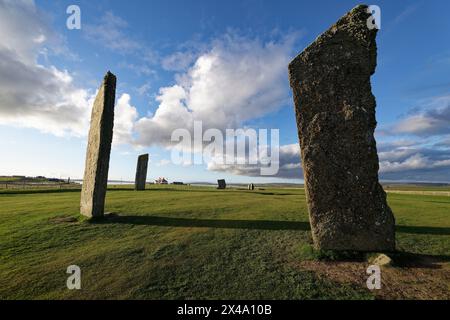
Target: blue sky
x,y
204,59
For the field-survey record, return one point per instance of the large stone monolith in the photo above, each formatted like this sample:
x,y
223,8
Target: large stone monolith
x,y
335,112
141,172
98,150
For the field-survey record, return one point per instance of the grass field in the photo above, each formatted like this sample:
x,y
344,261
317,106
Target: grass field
x,y
202,243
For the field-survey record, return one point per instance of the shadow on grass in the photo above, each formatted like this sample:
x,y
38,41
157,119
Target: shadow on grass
x,y
402,259
206,189
243,224
443,231
206,223
415,260
274,194
161,189
149,189
33,191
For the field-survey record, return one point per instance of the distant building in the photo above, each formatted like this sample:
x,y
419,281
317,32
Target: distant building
x,y
161,180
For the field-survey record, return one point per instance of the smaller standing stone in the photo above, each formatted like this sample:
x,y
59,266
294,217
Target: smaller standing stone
x,y
141,172
251,186
221,183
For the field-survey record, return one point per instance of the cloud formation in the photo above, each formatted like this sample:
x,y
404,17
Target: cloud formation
x,y
433,119
44,97
125,116
289,165
178,61
32,95
110,33
229,82
409,160
236,80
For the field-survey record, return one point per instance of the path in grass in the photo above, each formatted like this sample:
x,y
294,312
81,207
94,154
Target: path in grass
x,y
185,243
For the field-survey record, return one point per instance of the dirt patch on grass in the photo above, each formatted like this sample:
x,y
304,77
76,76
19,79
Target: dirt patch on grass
x,y
422,278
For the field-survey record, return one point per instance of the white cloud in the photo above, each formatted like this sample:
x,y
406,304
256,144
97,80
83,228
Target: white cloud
x,y
433,119
178,61
418,124
44,97
33,95
163,162
170,115
125,116
417,161
109,32
396,154
289,165
426,160
140,70
236,80
144,89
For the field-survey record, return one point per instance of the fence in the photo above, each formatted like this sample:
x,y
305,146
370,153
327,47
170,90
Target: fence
x,y
38,185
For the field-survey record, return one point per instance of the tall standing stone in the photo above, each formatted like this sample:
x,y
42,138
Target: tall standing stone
x,y
335,112
98,150
141,172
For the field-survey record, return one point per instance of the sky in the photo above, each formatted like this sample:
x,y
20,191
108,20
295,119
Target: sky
x,y
223,63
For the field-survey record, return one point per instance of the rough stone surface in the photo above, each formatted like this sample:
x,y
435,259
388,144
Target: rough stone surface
x,y
141,172
95,179
221,184
335,112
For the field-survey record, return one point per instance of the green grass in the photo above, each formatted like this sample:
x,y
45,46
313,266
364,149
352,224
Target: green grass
x,y
8,179
185,242
412,187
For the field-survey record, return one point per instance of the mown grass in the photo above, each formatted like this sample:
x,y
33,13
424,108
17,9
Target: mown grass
x,y
420,188
184,243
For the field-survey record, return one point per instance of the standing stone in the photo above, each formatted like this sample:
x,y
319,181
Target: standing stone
x,y
251,186
221,183
335,112
141,172
98,150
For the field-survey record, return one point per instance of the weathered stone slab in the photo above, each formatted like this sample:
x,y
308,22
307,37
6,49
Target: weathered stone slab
x,y
141,172
95,179
335,112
